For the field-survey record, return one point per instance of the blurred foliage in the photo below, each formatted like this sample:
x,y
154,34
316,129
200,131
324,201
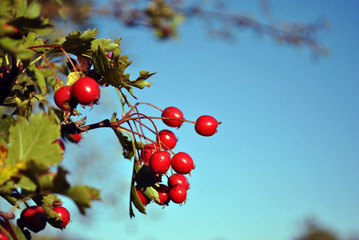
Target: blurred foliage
x,y
315,231
164,17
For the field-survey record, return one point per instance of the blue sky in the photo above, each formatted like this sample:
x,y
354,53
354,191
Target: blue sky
x,y
287,148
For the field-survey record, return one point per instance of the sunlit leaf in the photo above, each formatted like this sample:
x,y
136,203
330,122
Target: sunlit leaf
x,y
33,140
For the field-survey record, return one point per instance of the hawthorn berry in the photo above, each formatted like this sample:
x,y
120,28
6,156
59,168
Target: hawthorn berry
x,y
62,98
167,138
182,163
86,91
206,125
34,218
178,179
172,112
160,162
147,152
3,236
162,194
177,194
64,214
61,144
143,198
3,233
76,137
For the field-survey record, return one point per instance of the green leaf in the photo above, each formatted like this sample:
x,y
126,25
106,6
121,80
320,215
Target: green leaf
x,y
151,193
126,143
79,44
19,233
6,192
82,196
53,218
6,173
105,44
27,184
5,123
135,199
61,185
27,23
33,140
33,10
102,63
38,77
21,8
73,77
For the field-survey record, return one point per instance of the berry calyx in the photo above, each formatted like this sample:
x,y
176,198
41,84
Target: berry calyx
x,y
175,113
167,138
160,162
206,125
4,233
147,152
177,194
62,98
86,91
143,198
182,163
64,214
178,179
34,218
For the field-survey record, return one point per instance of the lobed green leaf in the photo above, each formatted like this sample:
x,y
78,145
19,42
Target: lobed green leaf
x,y
33,141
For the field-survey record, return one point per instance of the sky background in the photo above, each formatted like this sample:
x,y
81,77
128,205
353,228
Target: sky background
x,y
287,148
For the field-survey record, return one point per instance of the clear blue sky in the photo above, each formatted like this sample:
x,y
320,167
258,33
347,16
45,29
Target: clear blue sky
x,y
288,147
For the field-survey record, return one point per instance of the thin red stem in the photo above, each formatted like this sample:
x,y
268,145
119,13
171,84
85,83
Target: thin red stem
x,y
139,103
49,64
68,57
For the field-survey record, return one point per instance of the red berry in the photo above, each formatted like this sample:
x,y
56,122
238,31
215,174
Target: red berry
x,y
163,194
172,112
86,91
64,214
3,233
178,179
62,98
167,138
34,218
182,163
178,194
76,137
206,125
166,31
160,162
3,236
143,198
147,152
61,143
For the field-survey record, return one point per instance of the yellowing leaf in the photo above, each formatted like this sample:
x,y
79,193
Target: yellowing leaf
x,y
3,154
6,173
73,77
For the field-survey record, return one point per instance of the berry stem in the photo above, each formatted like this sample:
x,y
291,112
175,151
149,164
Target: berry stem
x,y
68,58
139,103
49,64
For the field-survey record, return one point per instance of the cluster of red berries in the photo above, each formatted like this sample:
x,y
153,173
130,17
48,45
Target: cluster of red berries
x,y
158,158
34,218
84,91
